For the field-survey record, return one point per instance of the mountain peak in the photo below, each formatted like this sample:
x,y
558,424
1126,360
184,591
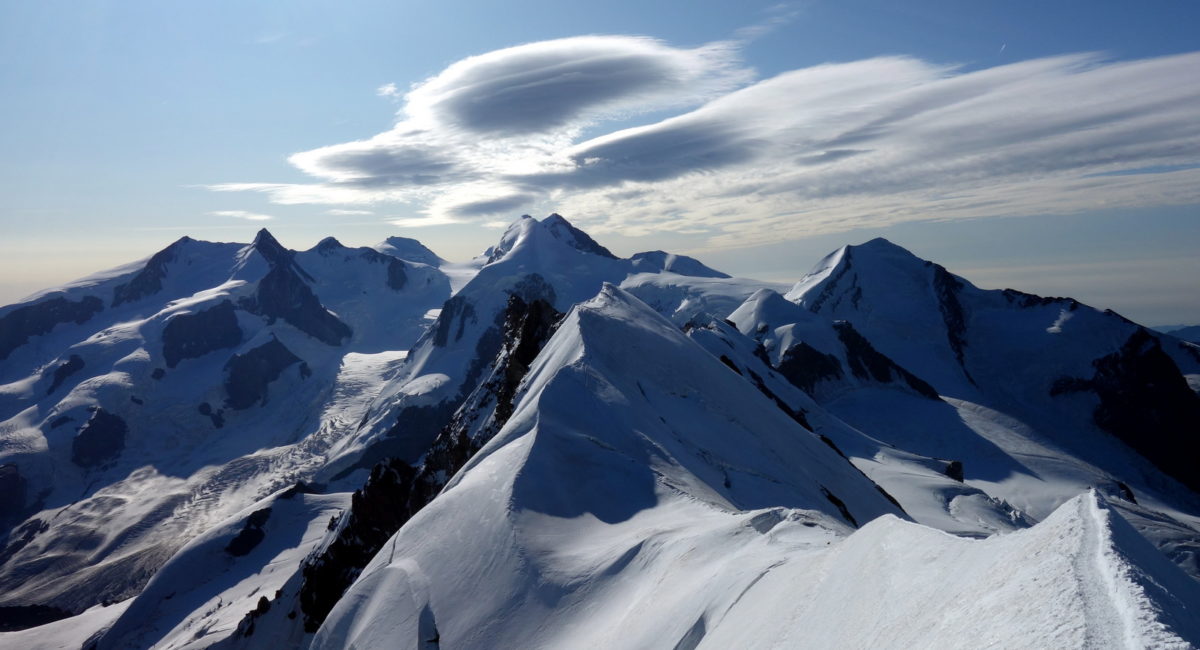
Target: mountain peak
x,y
272,251
528,230
884,249
327,244
658,261
409,250
562,229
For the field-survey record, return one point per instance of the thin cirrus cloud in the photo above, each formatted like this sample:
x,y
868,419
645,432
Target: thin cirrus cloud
x,y
820,149
242,214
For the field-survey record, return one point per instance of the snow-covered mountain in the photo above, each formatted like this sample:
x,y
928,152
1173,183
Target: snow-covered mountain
x,y
243,446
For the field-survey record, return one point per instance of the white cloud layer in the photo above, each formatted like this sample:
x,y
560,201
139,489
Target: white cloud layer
x,y
242,214
816,150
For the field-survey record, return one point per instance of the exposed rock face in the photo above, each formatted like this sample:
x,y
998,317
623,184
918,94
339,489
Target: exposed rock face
x,y
1146,402
946,288
217,416
377,510
274,252
284,293
396,277
396,490
22,323
831,286
1032,300
455,309
148,281
188,336
248,375
806,366
954,469
100,439
868,363
12,491
21,617
65,369
250,535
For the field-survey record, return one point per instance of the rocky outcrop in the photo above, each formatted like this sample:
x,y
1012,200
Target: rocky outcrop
x,y
377,510
396,276
1146,402
283,293
946,288
188,336
455,313
251,534
148,281
21,617
12,491
23,323
99,440
248,375
867,363
72,365
805,366
397,490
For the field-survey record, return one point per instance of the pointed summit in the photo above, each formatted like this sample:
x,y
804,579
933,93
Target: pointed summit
x,y
270,248
562,229
148,281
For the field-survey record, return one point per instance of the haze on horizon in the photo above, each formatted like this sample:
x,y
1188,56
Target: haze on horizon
x,y
1049,149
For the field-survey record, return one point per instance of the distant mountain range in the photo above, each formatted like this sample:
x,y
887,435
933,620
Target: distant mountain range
x,y
243,446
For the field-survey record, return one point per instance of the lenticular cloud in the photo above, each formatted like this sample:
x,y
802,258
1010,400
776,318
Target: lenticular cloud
x,y
818,149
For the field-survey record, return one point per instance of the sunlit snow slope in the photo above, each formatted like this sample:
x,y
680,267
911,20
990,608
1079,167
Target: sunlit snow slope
x,y
243,446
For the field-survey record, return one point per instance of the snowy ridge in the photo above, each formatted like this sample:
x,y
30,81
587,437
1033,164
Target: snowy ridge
x,y
636,560
156,418
550,446
596,452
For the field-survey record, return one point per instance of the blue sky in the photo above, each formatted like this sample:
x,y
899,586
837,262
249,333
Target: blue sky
x,y
985,136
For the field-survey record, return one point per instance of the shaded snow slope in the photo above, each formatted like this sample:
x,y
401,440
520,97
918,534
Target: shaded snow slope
x,y
683,298
548,260
207,591
409,250
593,520
596,451
681,460
221,376
1041,397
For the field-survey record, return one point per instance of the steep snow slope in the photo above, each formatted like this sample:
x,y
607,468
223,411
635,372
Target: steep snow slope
x,y
627,441
595,521
684,298
638,474
1040,397
207,591
931,490
409,250
1083,578
548,260
175,404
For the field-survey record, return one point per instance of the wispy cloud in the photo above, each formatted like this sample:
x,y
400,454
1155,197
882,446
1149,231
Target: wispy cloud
x,y
820,149
341,212
242,214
